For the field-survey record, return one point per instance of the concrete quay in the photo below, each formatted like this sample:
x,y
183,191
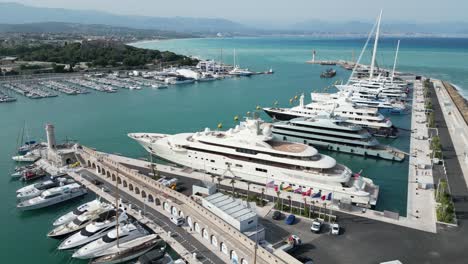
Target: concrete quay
x,y
218,237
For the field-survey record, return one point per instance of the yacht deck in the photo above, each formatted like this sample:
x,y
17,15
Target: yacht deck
x,y
288,147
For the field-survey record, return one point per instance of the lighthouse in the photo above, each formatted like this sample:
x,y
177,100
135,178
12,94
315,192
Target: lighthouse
x,y
51,144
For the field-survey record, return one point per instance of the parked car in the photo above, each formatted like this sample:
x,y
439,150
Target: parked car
x,y
335,229
276,215
290,219
316,226
177,220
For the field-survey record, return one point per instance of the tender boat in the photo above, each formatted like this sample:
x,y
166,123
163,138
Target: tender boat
x,y
28,157
53,196
95,230
36,189
152,256
33,174
125,233
81,221
70,216
128,250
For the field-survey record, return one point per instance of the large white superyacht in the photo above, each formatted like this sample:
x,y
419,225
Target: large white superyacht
x,y
250,153
367,117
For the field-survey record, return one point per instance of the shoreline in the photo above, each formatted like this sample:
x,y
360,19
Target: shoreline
x,y
458,99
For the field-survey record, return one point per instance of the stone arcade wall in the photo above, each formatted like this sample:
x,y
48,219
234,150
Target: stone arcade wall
x,y
218,234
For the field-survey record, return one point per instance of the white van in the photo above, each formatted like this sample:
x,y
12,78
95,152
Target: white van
x,y
178,221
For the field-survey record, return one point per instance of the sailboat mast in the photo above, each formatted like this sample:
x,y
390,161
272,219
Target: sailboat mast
x,y
222,68
374,52
117,206
235,58
396,57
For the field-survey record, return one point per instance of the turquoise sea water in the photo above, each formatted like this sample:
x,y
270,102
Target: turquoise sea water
x,y
103,120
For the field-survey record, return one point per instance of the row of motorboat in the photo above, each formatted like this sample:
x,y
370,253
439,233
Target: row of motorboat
x,y
5,98
98,231
56,189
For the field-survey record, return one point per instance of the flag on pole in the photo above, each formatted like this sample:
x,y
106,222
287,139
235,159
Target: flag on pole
x,y
276,188
281,187
270,184
308,192
288,189
329,196
298,190
357,175
317,195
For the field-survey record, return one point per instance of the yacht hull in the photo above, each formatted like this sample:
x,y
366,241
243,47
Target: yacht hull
x,y
50,202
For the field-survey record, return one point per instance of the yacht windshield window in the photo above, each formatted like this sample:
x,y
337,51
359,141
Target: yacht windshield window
x,y
78,212
108,239
86,233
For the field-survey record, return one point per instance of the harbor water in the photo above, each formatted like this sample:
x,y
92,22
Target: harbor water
x,y
102,120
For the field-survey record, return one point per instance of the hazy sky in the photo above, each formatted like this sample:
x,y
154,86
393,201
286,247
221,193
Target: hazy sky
x,y
277,11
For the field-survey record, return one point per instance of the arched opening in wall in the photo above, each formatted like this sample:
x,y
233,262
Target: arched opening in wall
x,y
214,241
103,171
89,163
119,180
174,211
98,169
143,194
113,177
137,190
197,228
189,221
150,198
108,174
157,202
130,187
94,166
205,234
166,207
243,261
181,214
233,257
68,161
223,248
125,184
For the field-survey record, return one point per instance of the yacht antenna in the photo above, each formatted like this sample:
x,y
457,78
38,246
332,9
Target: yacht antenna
x,y
222,68
396,57
376,42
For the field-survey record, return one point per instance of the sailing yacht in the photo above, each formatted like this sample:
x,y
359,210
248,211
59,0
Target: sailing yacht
x,y
237,70
362,100
95,230
369,118
250,153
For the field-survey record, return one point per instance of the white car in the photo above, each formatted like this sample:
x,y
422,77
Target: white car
x,y
316,226
335,229
177,220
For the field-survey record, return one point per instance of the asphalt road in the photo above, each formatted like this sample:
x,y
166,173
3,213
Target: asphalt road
x,y
181,235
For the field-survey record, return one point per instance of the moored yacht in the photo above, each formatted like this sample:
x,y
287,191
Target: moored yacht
x,y
36,189
53,196
334,134
369,118
95,230
250,152
127,251
125,233
70,216
81,221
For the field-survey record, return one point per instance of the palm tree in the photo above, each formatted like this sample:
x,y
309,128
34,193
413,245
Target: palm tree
x,y
233,188
290,203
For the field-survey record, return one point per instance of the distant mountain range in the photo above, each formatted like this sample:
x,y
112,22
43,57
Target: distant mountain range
x,y
13,13
89,29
